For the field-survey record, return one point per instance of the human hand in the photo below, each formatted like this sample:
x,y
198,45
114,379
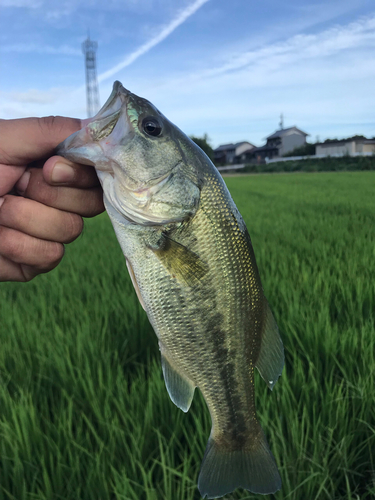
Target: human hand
x,y
35,225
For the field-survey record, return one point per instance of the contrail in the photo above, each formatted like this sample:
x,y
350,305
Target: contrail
x,y
181,18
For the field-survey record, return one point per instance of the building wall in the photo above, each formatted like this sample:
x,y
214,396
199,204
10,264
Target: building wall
x,y
340,148
242,148
224,156
291,141
230,154
369,148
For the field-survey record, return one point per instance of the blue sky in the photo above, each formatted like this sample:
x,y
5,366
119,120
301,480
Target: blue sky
x,y
223,68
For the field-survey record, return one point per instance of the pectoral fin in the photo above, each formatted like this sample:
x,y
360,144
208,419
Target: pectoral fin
x,y
183,264
271,357
180,388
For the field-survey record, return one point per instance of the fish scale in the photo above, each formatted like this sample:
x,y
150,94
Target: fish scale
x,y
192,264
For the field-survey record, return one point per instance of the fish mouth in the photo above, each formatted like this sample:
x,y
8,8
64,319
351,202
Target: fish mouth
x,y
103,123
95,129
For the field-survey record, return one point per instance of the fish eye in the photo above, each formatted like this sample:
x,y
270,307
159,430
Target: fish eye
x,y
151,126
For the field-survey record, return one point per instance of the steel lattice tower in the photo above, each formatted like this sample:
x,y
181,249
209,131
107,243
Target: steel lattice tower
x,y
92,93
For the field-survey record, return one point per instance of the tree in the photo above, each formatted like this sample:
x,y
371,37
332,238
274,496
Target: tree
x,y
203,143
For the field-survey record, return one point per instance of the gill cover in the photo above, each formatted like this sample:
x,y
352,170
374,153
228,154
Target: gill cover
x,y
139,160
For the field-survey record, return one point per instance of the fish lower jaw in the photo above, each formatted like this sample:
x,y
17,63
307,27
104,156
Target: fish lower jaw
x,y
122,211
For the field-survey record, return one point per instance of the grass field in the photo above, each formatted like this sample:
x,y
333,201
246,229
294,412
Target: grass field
x,y
84,413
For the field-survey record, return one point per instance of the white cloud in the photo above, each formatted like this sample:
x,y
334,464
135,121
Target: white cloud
x,y
55,101
36,96
164,33
327,57
300,47
41,49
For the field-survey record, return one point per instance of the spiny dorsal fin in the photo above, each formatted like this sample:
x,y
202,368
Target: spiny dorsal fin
x,y
179,387
271,357
183,264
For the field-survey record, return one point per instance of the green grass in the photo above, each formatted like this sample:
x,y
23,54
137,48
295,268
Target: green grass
x,y
84,413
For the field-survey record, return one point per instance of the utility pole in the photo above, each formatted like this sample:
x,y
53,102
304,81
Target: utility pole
x,y
92,93
281,124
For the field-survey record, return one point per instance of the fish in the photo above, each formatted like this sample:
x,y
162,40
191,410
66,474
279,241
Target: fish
x,y
192,264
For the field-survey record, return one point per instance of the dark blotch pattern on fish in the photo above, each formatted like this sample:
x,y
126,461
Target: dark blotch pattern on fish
x,y
236,423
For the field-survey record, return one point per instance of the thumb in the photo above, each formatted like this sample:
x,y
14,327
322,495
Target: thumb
x,y
28,139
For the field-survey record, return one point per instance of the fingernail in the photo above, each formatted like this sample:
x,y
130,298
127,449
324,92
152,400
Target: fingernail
x,y
23,183
1,201
62,173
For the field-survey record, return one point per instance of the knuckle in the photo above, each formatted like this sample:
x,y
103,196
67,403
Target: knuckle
x,y
7,199
26,274
50,196
32,254
39,190
4,207
13,210
58,125
95,204
5,157
48,123
74,226
13,247
53,253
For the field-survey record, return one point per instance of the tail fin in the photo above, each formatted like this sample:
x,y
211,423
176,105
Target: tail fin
x,y
252,468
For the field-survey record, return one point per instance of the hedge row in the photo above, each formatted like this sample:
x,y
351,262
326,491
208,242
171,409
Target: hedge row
x,y
327,164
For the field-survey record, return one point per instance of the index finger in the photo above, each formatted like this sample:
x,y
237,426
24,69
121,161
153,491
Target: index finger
x,y
28,139
9,175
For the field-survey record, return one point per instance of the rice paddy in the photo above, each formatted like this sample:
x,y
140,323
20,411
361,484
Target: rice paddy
x,y
84,413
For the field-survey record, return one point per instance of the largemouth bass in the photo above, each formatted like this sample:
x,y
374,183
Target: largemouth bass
x,y
193,267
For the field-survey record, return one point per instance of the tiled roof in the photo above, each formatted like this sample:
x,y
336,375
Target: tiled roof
x,y
284,131
225,147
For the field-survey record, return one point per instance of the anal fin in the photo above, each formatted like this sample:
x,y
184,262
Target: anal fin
x,y
179,387
271,357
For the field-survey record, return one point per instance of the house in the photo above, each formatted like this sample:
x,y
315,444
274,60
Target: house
x,y
279,143
357,144
246,156
227,153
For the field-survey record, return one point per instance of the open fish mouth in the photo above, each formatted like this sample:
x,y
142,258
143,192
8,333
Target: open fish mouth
x,y
97,128
102,124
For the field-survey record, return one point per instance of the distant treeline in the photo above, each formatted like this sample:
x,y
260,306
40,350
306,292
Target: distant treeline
x,y
328,164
